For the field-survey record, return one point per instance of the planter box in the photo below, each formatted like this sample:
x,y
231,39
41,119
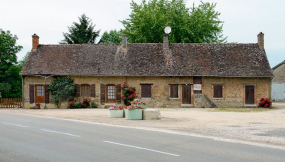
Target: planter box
x,y
143,105
134,114
116,113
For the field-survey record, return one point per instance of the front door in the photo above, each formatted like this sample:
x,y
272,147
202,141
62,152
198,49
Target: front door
x,y
39,94
249,94
111,93
186,94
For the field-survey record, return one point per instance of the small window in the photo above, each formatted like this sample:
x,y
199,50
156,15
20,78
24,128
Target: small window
x,y
218,91
145,90
173,92
85,90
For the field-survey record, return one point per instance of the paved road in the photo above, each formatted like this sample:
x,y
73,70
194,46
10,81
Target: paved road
x,y
31,138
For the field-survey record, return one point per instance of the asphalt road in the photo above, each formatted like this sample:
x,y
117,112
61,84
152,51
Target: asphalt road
x,y
31,138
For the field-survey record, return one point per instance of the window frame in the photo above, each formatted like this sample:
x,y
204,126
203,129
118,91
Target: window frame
x,y
148,96
171,97
87,88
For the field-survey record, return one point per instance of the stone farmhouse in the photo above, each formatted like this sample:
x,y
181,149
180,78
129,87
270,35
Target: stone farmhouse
x,y
165,74
278,82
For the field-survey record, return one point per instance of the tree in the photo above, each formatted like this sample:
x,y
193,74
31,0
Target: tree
x,y
81,33
61,89
189,25
24,60
10,80
8,50
113,36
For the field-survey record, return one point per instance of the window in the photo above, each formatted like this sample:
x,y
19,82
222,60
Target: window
x,y
85,90
173,91
145,90
218,91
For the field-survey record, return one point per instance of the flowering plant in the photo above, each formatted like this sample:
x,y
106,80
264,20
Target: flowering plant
x,y
73,104
133,107
116,107
142,102
129,94
265,102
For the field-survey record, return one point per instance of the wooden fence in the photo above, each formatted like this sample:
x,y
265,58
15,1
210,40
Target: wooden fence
x,y
11,103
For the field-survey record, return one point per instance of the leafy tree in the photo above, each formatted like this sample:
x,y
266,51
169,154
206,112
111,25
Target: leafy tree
x,y
189,25
8,50
61,89
24,60
113,36
81,33
10,80
4,89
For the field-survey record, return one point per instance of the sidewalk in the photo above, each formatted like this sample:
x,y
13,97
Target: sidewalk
x,y
264,127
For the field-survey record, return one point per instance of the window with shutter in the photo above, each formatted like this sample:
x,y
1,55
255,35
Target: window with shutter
x,y
173,91
77,90
218,91
46,94
145,90
103,89
85,90
32,93
92,90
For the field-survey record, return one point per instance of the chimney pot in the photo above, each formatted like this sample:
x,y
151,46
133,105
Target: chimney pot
x,y
35,41
165,42
260,40
124,40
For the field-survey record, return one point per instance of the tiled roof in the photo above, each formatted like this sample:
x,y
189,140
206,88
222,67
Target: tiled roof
x,y
149,59
281,63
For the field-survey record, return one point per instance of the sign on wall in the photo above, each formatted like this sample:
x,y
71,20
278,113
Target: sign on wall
x,y
197,87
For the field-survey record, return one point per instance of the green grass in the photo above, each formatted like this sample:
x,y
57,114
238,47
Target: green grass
x,y
240,109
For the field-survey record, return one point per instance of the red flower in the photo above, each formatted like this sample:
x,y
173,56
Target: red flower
x,y
262,99
122,87
127,86
266,105
263,102
131,89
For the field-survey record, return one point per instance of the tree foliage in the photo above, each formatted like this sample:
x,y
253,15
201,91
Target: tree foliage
x,y
24,59
189,25
61,89
112,37
10,80
81,33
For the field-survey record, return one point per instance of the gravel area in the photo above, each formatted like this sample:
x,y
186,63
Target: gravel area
x,y
262,127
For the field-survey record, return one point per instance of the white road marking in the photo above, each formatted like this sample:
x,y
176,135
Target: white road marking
x,y
141,148
60,133
15,125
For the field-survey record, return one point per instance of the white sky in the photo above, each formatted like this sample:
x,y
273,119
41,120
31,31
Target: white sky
x,y
243,20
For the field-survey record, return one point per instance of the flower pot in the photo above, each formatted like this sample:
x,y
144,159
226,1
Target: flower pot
x,y
143,105
134,114
116,113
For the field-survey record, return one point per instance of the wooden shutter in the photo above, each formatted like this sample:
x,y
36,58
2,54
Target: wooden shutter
x,y
146,90
174,91
46,94
118,93
32,93
77,90
103,89
218,91
92,87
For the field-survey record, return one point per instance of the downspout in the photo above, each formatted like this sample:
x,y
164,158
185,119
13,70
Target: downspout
x,y
23,97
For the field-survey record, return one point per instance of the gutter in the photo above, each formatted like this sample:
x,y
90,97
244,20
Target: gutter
x,y
23,95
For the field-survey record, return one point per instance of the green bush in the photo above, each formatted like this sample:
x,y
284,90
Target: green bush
x,y
94,105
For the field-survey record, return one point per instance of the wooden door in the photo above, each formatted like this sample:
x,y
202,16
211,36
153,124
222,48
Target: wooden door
x,y
249,94
39,93
110,89
186,94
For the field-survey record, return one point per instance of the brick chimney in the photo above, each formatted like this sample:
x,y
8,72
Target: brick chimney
x,y
260,40
35,41
165,42
124,40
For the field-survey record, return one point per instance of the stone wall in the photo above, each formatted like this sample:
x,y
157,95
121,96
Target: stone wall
x,y
279,74
233,89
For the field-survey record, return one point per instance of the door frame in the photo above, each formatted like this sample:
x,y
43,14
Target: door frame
x,y
191,93
36,92
106,94
254,95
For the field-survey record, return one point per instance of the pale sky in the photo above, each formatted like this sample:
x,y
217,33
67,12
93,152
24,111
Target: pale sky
x,y
243,20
